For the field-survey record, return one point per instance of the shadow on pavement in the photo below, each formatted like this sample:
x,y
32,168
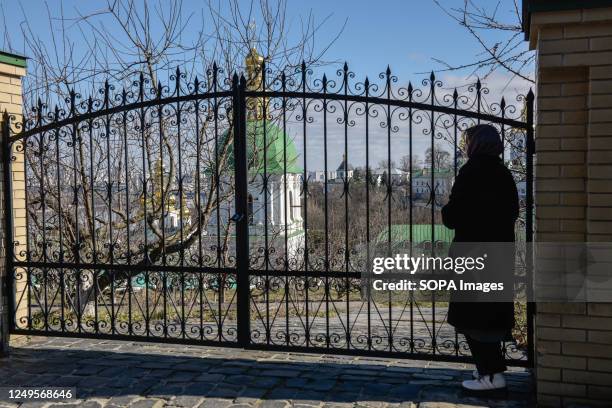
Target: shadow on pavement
x,y
123,373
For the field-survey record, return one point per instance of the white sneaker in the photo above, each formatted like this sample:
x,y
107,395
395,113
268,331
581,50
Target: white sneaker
x,y
475,374
486,383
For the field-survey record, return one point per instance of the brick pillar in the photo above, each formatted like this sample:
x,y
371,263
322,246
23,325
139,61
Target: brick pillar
x,y
573,192
12,69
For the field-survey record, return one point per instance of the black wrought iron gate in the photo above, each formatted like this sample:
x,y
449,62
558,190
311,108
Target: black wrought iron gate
x,y
244,211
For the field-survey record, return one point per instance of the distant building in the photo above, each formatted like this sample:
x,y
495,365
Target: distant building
x,y
422,183
319,176
397,176
345,170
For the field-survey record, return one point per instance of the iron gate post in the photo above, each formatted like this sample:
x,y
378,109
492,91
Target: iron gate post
x,y
240,216
6,297
530,149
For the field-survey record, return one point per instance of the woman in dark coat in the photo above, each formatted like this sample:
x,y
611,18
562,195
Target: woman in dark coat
x,y
483,207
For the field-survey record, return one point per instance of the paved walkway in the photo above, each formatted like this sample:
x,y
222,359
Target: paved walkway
x,y
142,375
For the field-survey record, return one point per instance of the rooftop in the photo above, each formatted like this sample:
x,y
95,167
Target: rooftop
x,y
400,233
272,138
13,59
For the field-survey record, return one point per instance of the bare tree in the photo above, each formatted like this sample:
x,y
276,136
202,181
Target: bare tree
x,y
407,161
104,190
480,19
440,158
385,164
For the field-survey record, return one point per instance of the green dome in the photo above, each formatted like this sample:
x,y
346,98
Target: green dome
x,y
274,154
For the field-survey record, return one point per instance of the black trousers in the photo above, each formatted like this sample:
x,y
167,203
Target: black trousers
x,y
488,356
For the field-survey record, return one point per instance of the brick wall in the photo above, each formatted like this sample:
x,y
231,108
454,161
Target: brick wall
x,y
573,194
11,102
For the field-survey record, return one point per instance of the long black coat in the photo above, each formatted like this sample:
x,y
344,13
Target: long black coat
x,y
483,207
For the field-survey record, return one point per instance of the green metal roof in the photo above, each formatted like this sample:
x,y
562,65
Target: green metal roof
x,y
258,137
420,233
437,172
13,59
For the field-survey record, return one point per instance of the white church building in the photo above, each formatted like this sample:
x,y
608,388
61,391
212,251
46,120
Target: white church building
x,y
275,209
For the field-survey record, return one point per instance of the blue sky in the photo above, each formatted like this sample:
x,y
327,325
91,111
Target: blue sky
x,y
406,35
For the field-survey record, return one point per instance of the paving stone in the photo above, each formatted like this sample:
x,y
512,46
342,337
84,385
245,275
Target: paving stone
x,y
90,404
272,404
73,405
181,376
164,391
209,377
370,404
120,382
281,393
440,394
405,391
321,385
376,388
246,401
198,388
352,387
432,376
195,366
216,403
34,404
229,370
148,403
224,392
123,400
310,397
239,379
399,369
283,373
407,404
362,372
251,393
140,387
161,373
87,370
428,382
113,374
186,401
265,382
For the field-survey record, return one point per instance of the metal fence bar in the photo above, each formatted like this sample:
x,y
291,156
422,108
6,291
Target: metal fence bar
x,y
241,216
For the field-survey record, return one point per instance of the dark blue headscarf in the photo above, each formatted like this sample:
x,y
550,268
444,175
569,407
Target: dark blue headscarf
x,y
483,140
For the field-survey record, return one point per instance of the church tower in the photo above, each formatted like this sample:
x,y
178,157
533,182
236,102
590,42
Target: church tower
x,y
274,199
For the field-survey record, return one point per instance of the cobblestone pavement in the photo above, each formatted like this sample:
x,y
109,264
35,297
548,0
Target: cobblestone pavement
x,y
150,375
